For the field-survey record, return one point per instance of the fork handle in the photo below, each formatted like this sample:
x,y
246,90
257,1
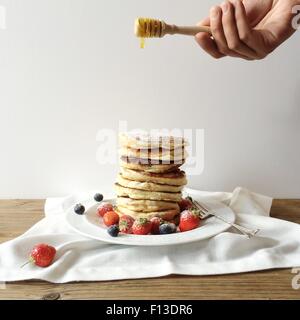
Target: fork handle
x,y
245,231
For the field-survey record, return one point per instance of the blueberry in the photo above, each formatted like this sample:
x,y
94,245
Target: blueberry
x,y
113,230
167,228
98,197
79,208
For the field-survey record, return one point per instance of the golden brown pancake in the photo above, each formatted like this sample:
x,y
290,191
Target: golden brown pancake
x,y
149,186
147,195
146,141
134,163
165,215
146,205
177,155
152,162
174,178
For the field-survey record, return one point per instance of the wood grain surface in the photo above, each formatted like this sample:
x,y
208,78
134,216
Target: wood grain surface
x,y
16,216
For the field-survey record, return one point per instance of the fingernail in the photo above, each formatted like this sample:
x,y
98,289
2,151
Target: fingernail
x,y
225,7
214,12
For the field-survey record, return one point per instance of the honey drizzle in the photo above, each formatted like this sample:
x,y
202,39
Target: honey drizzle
x,y
147,28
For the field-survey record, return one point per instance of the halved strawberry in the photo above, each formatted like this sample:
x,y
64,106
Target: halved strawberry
x,y
125,224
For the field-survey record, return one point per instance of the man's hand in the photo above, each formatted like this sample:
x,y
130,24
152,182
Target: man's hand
x,y
249,29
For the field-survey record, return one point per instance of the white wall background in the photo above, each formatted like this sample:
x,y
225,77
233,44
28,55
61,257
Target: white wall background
x,y
71,67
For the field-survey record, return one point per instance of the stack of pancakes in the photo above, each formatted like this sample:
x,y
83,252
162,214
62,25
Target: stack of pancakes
x,y
150,181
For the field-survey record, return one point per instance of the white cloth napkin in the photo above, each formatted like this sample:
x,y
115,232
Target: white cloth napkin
x,y
81,259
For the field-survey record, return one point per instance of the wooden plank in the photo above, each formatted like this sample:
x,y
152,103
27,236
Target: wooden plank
x,y
17,216
287,209
274,284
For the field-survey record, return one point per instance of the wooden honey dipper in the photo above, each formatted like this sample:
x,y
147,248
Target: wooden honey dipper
x,y
153,28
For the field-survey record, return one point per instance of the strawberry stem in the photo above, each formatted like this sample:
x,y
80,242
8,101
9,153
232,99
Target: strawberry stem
x,y
31,260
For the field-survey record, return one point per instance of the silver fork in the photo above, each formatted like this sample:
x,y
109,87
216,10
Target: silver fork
x,y
205,212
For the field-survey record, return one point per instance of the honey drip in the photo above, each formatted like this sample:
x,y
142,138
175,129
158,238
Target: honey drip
x,y
147,28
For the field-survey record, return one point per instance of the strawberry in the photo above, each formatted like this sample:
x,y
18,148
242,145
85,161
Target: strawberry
x,y
141,226
185,204
155,223
110,218
188,220
125,224
103,208
42,255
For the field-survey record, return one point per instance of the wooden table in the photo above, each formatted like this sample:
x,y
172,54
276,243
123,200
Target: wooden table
x,y
16,216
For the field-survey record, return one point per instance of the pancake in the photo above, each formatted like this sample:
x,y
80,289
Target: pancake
x,y
133,163
134,160
150,182
177,155
165,215
146,205
147,195
149,186
174,178
144,141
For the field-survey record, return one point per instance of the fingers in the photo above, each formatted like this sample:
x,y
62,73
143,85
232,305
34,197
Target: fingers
x,y
208,44
242,24
246,34
231,33
217,31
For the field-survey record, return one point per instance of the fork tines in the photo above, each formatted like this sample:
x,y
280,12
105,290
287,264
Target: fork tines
x,y
204,212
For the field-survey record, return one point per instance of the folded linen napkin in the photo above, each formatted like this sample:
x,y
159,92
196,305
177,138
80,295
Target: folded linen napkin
x,y
82,259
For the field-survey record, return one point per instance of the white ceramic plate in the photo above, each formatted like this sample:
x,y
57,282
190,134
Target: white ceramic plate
x,y
91,226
